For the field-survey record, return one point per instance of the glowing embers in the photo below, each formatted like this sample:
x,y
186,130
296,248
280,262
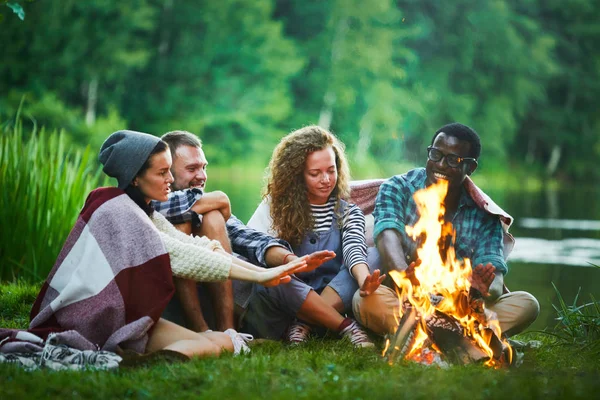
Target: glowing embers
x,y
442,318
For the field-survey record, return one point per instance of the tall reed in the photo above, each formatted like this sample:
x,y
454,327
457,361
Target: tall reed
x,y
43,185
578,324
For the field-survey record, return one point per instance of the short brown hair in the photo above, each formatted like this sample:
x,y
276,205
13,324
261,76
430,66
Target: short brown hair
x,y
176,139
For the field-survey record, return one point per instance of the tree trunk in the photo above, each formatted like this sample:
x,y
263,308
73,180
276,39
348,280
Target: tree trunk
x,y
530,156
165,34
92,100
365,137
554,160
326,114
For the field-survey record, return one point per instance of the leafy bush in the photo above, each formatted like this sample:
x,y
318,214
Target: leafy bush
x,y
44,184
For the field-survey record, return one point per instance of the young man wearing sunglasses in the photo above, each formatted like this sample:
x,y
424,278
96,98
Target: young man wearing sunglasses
x,y
480,225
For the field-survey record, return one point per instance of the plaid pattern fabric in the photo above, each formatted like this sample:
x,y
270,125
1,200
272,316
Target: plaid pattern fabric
x,y
479,235
177,209
246,242
110,283
250,243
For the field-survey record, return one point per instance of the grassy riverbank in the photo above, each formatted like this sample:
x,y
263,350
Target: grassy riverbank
x,y
323,368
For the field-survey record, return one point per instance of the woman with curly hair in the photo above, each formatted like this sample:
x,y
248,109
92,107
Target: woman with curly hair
x,y
305,204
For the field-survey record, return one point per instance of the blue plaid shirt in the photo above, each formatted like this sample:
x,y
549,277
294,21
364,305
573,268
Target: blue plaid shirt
x,y
478,233
246,242
178,208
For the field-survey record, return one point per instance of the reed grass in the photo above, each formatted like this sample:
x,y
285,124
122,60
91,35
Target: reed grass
x,y
44,184
578,324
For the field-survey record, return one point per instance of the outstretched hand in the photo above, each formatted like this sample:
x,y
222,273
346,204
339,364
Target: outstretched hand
x,y
410,272
371,283
316,259
278,275
482,277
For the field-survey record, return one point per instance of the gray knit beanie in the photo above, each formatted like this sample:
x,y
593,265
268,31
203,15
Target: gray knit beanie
x,y
124,153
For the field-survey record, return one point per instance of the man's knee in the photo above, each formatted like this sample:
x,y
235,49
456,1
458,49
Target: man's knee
x,y
531,307
379,311
213,217
213,225
516,311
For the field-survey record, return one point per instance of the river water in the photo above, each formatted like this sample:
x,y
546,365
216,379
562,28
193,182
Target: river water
x,y
557,237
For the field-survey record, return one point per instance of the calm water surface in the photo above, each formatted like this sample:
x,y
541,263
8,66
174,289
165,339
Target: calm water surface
x,y
557,232
557,237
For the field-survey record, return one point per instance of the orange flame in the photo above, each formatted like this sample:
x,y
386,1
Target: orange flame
x,y
441,274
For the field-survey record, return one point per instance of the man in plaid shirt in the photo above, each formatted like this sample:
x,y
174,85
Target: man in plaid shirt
x,y
194,211
452,157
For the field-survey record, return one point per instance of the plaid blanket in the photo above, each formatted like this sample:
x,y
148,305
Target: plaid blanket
x,y
364,194
110,283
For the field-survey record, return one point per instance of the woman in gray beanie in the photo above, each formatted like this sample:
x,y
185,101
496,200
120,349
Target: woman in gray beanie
x,y
113,277
141,164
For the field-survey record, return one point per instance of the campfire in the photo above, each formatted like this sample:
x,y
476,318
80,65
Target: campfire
x,y
442,318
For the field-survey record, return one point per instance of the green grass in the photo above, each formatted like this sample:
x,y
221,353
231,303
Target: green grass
x,y
44,184
578,324
16,300
322,368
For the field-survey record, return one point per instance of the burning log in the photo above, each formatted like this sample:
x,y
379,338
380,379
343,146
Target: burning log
x,y
443,334
449,337
405,336
442,314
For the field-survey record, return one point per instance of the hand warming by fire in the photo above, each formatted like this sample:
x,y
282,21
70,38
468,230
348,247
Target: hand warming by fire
x,y
443,316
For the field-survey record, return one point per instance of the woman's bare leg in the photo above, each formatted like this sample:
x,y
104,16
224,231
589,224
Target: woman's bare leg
x,y
316,311
332,298
221,339
170,336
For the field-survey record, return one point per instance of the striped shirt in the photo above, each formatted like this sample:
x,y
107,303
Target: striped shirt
x,y
354,245
478,233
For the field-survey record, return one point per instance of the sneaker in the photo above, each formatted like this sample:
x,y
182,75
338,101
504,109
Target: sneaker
x,y
240,341
298,333
357,336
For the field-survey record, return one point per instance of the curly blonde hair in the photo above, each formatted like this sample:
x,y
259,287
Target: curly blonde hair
x,y
286,188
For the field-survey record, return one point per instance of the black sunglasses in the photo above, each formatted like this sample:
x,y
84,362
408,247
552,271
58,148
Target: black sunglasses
x,y
453,160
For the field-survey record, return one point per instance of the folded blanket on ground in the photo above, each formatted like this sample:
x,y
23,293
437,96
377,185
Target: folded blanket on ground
x,y
57,357
109,285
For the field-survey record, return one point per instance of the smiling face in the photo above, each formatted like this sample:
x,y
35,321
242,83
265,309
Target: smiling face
x,y
189,168
155,182
441,170
320,175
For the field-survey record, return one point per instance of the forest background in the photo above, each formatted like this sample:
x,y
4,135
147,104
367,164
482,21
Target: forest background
x,y
383,75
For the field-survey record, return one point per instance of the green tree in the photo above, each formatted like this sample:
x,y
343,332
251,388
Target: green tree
x,y
81,52
485,64
355,55
220,70
563,133
16,7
